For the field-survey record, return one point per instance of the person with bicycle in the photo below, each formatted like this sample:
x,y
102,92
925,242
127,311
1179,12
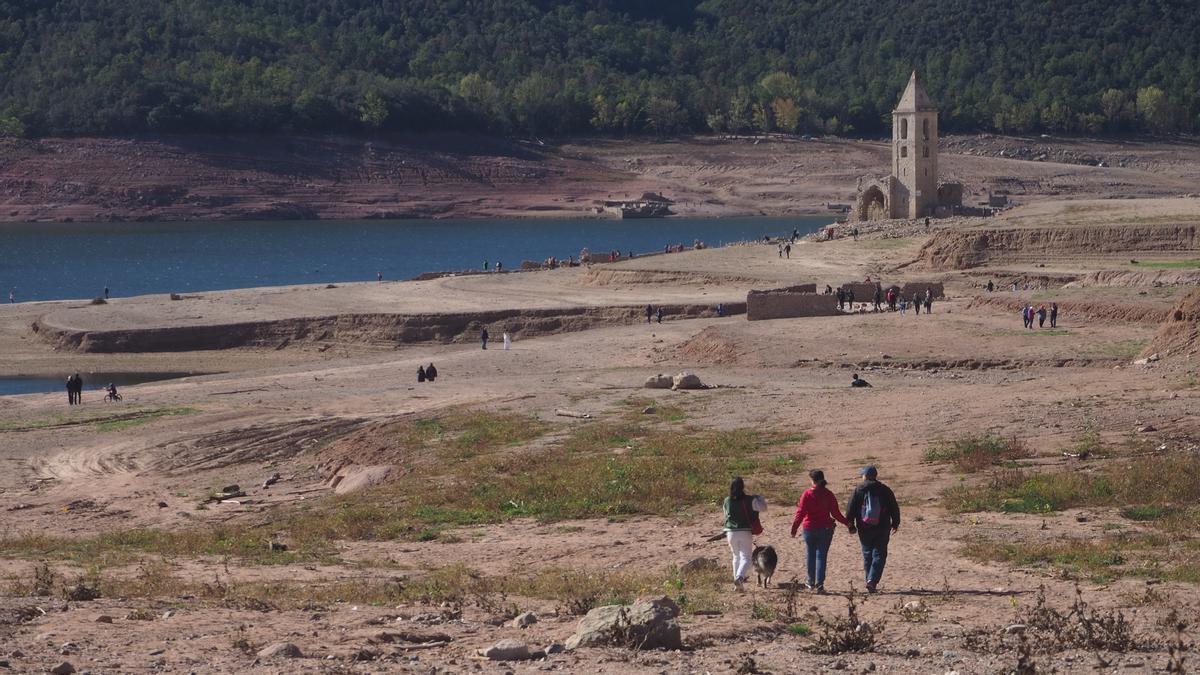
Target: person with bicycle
x,y
112,393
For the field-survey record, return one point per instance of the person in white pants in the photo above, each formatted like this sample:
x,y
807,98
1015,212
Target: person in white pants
x,y
741,520
507,342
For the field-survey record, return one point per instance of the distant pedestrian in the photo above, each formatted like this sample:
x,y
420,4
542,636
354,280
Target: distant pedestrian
x,y
1041,315
379,277
485,265
787,251
649,312
876,517
431,373
781,250
841,297
815,515
421,374
1054,315
928,301
106,292
854,233
70,390
12,296
499,266
720,309
990,287
850,298
741,524
903,305
926,224
507,341
917,304
878,298
659,314
483,336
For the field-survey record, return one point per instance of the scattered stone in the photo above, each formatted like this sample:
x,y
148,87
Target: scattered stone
x,y
1015,628
20,506
686,380
104,618
64,668
271,481
870,667
646,624
699,565
162,505
1146,428
168,614
649,410
658,381
276,546
158,652
82,593
524,620
554,648
280,649
840,664
1082,518
507,650
231,488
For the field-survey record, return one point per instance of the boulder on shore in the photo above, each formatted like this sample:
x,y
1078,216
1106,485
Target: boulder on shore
x,y
686,380
659,381
646,624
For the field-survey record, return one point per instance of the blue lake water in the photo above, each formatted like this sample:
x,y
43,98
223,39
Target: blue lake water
x,y
92,383
55,261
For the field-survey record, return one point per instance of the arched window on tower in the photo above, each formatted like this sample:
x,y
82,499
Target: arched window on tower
x,y
925,128
903,129
904,151
925,151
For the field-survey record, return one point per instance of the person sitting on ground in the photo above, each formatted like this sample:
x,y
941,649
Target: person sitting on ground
x,y
859,382
431,373
421,374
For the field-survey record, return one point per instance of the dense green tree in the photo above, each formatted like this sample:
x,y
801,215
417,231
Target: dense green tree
x,y
613,66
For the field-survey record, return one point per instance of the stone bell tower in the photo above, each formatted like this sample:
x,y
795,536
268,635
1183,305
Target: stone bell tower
x,y
914,153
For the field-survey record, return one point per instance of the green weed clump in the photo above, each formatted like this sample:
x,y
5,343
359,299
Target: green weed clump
x,y
977,452
1155,488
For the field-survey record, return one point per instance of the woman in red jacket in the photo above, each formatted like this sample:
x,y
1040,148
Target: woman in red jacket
x,y
816,513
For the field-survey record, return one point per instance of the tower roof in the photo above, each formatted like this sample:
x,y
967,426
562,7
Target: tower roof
x,y
915,97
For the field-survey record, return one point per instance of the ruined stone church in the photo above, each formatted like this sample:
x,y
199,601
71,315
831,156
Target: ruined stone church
x,y
912,190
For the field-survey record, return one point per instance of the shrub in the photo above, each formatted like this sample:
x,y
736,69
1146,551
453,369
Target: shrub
x,y
974,453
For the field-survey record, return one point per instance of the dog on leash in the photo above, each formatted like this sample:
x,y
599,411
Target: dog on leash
x,y
765,561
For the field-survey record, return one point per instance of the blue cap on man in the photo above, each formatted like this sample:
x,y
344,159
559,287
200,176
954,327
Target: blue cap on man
x,y
869,471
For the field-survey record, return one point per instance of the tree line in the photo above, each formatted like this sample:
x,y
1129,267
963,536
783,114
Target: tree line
x,y
547,67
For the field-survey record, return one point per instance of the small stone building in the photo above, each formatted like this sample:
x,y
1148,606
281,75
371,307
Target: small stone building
x,y
912,190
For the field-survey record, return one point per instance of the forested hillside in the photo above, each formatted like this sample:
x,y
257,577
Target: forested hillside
x,y
582,66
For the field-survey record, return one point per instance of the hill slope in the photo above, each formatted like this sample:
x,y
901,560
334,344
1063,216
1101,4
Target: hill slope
x,y
545,66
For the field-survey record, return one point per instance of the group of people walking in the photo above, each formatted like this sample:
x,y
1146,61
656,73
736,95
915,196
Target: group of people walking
x,y
1029,314
892,298
872,513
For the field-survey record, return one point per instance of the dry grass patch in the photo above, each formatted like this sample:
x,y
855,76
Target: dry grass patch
x,y
973,453
477,468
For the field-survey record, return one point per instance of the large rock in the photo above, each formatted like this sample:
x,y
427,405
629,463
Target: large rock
x,y
354,478
658,381
646,624
687,380
507,650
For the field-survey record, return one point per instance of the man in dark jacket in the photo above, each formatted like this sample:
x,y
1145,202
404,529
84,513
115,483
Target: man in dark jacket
x,y
876,516
483,335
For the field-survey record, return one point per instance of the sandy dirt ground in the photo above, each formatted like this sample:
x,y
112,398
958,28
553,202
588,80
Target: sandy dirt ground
x,y
968,367
251,177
